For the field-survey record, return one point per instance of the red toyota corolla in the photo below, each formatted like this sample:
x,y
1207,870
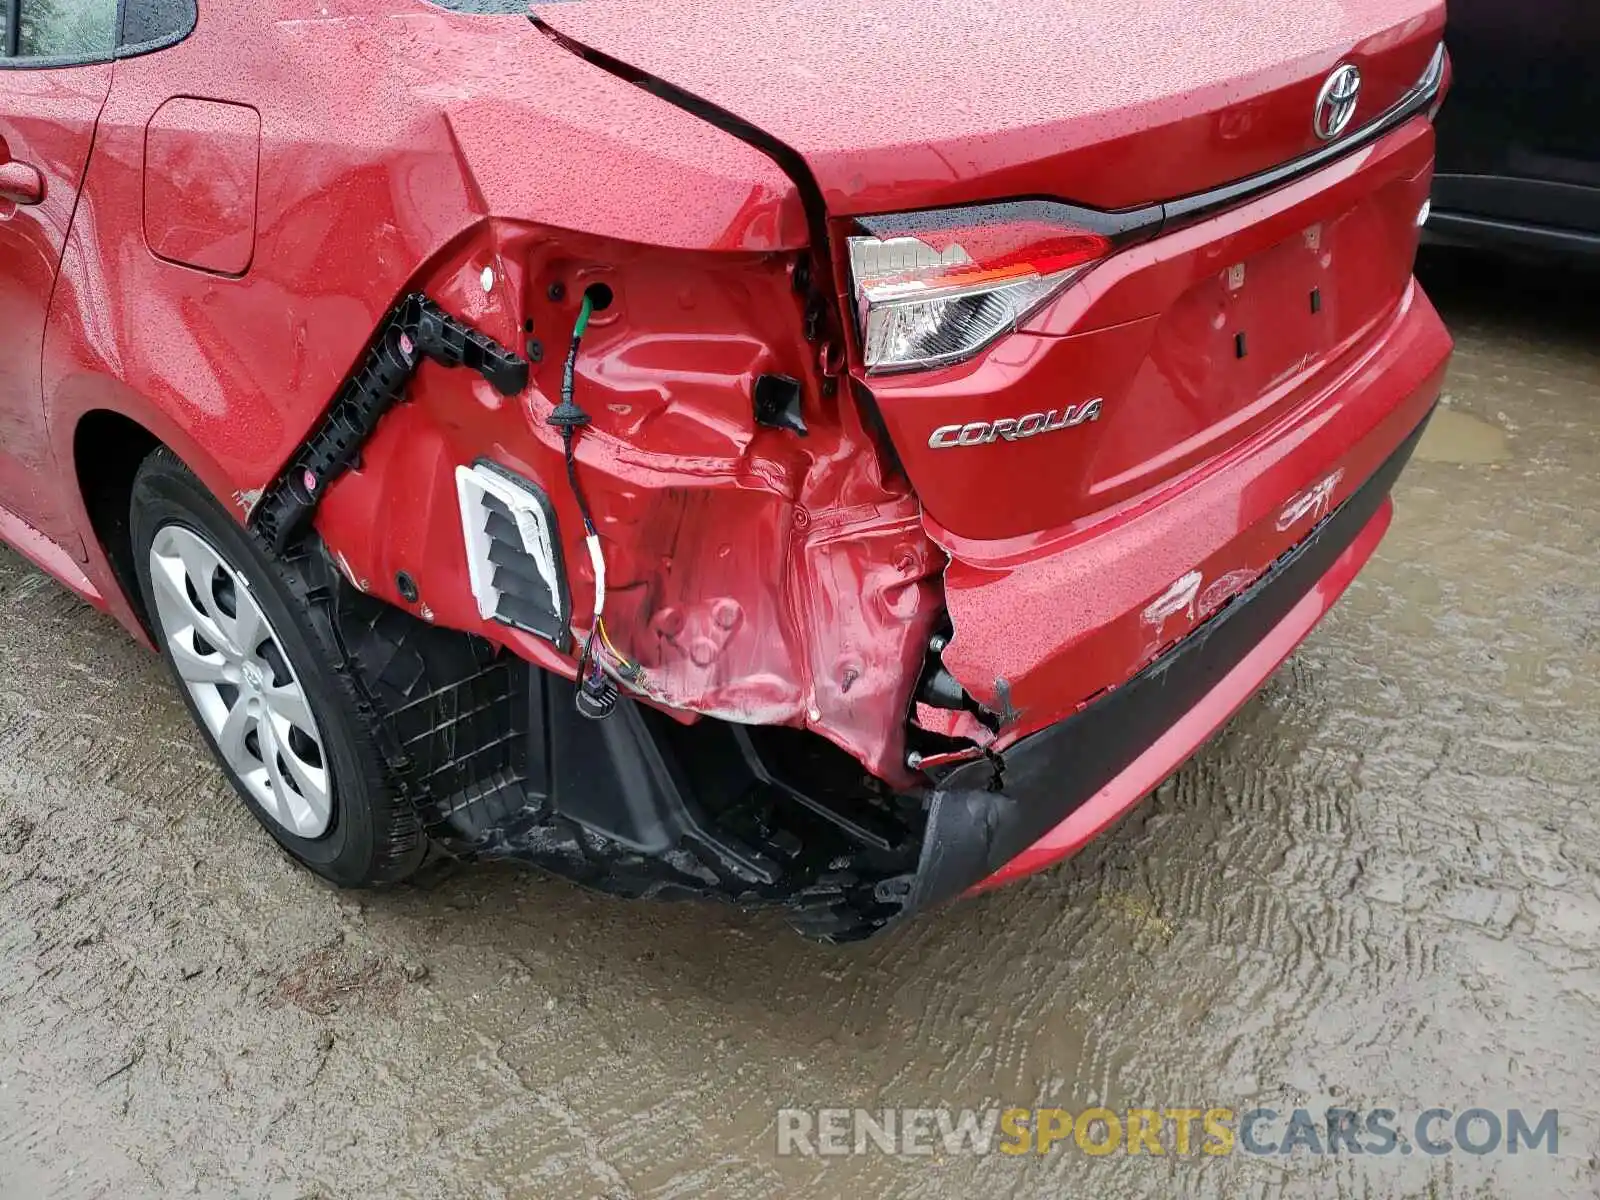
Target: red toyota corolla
x,y
824,455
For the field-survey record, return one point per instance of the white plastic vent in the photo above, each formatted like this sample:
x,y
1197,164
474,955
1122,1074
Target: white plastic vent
x,y
513,555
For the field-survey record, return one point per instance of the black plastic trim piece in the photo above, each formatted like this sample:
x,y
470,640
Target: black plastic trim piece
x,y
416,328
1465,229
777,404
1122,227
642,806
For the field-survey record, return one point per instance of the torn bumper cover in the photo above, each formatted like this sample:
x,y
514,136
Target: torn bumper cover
x,y
1058,788
643,805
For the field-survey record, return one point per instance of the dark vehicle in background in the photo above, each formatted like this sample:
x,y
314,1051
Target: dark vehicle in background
x,y
1519,147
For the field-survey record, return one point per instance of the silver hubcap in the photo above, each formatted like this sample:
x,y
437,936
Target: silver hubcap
x,y
233,664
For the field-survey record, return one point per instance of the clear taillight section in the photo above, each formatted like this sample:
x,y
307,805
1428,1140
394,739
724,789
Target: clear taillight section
x,y
1436,79
934,288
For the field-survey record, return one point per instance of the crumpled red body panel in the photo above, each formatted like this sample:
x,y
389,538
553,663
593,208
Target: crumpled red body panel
x,y
758,576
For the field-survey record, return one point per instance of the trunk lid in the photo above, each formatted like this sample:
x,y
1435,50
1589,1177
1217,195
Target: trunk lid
x,y
1169,354
1192,344
901,104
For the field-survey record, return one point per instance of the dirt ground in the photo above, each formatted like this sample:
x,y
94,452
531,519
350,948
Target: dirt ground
x,y
1379,886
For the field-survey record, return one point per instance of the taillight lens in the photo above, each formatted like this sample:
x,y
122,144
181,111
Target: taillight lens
x,y
1436,79
934,288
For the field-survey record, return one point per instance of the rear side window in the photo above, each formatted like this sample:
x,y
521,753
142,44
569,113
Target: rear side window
x,y
151,24
37,33
487,8
76,30
68,29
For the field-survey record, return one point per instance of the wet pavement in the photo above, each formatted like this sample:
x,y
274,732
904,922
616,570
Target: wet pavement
x,y
1379,887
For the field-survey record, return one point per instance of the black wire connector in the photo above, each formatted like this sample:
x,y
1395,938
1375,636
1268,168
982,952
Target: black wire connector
x,y
597,691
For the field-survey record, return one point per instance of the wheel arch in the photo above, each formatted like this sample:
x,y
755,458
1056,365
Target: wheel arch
x,y
106,448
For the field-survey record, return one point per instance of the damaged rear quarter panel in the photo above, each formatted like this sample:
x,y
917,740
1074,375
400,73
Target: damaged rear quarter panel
x,y
388,134
759,577
756,575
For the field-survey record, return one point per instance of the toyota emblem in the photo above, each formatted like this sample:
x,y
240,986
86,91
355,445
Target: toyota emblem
x,y
1336,106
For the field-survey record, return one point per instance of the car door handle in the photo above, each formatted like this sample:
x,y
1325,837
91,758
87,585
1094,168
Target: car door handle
x,y
21,183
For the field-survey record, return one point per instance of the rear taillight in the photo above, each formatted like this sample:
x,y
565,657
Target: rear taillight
x,y
1436,79
934,288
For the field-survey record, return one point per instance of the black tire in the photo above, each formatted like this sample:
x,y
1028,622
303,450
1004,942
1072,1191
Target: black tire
x,y
374,836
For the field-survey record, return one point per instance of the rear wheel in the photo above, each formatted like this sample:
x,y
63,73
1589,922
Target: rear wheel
x,y
256,656
247,696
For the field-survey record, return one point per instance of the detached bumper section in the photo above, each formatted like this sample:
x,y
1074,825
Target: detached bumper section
x,y
498,764
643,805
986,814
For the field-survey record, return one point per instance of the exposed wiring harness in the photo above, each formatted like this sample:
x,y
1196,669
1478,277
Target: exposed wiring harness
x,y
597,695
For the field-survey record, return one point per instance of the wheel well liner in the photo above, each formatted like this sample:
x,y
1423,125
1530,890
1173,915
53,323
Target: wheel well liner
x,y
107,449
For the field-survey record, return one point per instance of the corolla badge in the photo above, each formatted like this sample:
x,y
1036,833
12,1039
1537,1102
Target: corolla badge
x,y
1014,429
1336,106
